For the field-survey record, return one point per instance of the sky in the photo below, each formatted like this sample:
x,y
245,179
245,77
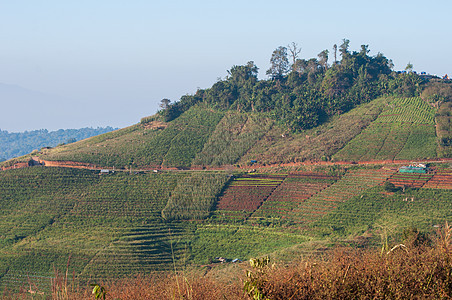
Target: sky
x,y
109,63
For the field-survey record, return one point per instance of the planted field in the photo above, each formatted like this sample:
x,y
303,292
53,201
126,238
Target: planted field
x,y
142,249
194,196
241,241
388,214
51,214
404,130
408,110
174,144
295,189
245,194
442,179
411,180
444,129
234,135
353,183
112,225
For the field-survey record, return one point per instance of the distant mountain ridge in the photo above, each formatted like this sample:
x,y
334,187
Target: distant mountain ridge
x,y
14,144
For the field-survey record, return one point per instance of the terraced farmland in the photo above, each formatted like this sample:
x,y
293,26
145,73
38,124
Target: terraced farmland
x,y
411,180
390,213
408,110
142,249
442,179
234,135
245,194
350,185
295,189
404,130
51,214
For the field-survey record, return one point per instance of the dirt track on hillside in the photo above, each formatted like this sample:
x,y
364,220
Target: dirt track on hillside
x,y
81,165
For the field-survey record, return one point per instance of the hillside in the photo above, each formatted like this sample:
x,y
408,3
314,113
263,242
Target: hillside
x,y
395,128
287,167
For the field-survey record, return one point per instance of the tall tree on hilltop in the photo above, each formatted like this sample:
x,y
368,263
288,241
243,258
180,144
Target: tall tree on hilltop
x,y
364,50
409,67
294,51
343,48
323,58
279,63
335,53
164,103
241,74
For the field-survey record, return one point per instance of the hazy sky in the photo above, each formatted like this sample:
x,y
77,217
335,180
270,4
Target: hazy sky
x,y
113,61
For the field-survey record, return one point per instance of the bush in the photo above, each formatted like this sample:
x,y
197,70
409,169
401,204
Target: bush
x,y
389,186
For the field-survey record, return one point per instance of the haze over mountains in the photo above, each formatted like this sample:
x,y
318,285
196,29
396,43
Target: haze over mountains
x,y
26,110
29,110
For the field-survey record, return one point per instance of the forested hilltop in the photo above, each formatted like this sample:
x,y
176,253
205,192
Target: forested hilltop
x,y
303,93
13,144
307,110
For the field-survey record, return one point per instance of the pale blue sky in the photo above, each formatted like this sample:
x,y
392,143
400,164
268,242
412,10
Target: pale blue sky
x,y
115,60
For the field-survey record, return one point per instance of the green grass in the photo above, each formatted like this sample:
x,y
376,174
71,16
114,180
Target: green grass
x,y
240,241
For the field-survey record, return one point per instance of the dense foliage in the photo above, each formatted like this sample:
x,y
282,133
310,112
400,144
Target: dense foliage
x,y
304,94
14,144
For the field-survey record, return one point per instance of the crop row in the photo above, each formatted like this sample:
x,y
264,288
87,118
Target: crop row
x,y
409,180
235,134
247,193
141,250
441,180
293,191
350,185
391,141
194,196
425,207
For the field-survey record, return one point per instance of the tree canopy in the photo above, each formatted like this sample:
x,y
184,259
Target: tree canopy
x,y
304,92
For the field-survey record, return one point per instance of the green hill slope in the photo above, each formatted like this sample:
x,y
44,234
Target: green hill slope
x,y
384,129
405,129
204,202
173,144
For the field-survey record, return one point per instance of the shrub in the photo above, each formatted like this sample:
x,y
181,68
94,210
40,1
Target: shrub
x,y
389,186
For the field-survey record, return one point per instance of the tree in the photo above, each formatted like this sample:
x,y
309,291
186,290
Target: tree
x,y
300,66
239,75
294,51
364,50
343,48
323,58
164,103
409,67
279,63
335,53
